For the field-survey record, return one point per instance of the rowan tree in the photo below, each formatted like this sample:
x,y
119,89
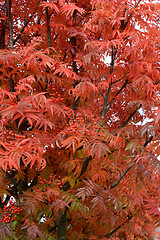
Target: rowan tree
x,y
79,134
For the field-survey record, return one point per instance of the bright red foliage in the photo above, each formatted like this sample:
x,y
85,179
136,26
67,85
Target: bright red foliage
x,y
74,154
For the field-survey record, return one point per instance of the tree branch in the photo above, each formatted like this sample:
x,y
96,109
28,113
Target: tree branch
x,y
62,217
48,28
128,119
16,34
110,103
73,41
127,169
10,177
137,3
158,20
62,220
123,86
23,28
10,25
113,57
67,185
148,141
3,28
105,104
121,177
85,165
11,81
2,35
117,228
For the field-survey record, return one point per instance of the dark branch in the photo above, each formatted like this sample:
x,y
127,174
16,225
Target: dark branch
x,y
158,20
113,57
10,25
34,181
75,103
127,170
73,41
10,177
85,165
2,34
16,34
137,3
23,28
123,86
67,185
105,104
62,220
148,141
117,228
48,28
62,217
121,177
128,119
41,86
11,84
120,90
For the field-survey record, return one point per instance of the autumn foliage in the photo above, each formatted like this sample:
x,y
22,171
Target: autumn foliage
x,y
79,119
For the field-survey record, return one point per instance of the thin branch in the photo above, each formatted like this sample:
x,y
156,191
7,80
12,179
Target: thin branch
x,y
34,181
10,40
23,28
158,20
148,141
117,228
73,41
123,86
2,35
120,90
41,86
10,177
67,185
48,28
75,103
101,94
25,25
11,81
10,25
105,104
85,165
113,57
65,54
3,28
137,3
121,177
128,119
55,37
127,169
16,34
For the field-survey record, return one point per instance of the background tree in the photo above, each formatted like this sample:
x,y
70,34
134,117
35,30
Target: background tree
x,y
76,162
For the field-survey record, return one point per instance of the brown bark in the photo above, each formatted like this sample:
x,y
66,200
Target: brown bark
x,y
10,24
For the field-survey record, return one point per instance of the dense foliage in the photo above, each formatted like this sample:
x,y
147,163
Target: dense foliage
x,y
77,159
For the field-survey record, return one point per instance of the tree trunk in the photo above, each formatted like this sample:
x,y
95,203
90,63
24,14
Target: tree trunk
x,y
62,224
